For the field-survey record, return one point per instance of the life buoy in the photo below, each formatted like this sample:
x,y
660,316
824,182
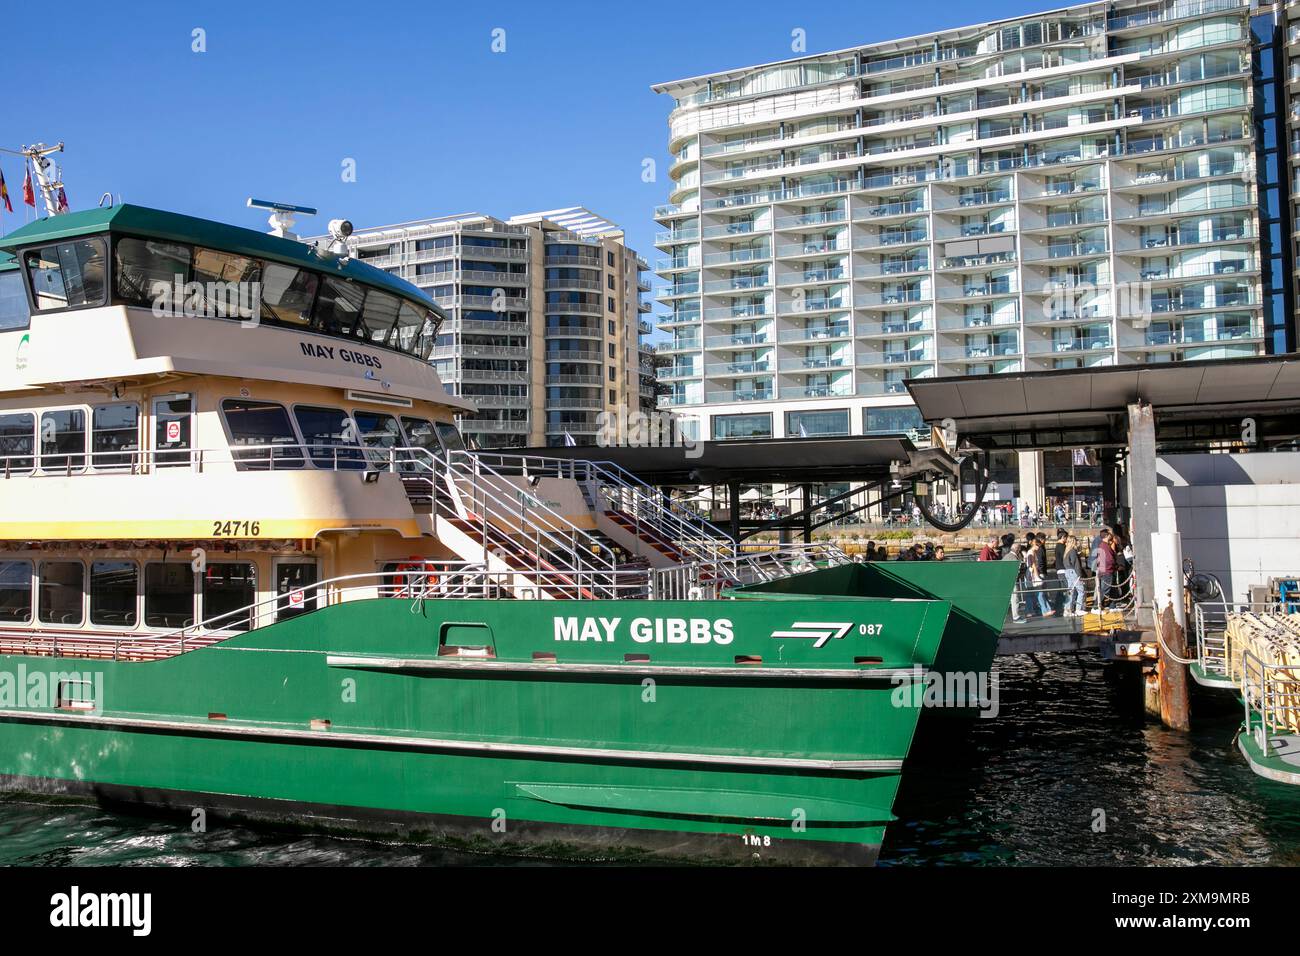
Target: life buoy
x,y
411,572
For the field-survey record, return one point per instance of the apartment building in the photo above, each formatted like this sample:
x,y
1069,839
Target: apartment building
x,y
544,328
1095,185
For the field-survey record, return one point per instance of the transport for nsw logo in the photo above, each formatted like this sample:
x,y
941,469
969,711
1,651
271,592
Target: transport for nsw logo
x,y
819,632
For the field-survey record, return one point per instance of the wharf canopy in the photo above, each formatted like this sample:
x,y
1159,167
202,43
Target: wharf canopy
x,y
167,260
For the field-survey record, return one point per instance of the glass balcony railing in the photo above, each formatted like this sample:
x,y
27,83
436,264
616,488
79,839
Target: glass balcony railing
x,y
741,395
1201,336
816,333
818,391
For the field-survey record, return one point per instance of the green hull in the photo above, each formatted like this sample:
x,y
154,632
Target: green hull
x,y
753,730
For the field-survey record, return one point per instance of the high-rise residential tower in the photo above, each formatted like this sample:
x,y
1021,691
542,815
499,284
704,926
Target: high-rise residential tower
x,y
545,318
1099,184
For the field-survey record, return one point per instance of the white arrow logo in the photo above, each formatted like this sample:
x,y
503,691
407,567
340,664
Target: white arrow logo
x,y
818,631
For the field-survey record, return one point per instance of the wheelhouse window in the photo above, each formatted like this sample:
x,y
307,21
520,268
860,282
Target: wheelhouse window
x,y
288,294
229,590
378,317
338,306
168,595
330,436
113,587
63,439
149,271
265,433
14,311
114,434
227,281
15,592
416,330
60,593
68,275
17,442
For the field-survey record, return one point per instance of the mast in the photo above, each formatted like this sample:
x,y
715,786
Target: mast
x,y
49,186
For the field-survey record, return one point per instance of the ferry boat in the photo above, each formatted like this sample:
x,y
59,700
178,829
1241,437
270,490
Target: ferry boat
x,y
249,570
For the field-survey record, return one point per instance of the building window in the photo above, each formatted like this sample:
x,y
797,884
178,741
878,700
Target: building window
x,y
609,257
814,424
891,421
609,301
609,281
60,593
742,426
168,594
113,586
613,397
15,592
610,347
611,327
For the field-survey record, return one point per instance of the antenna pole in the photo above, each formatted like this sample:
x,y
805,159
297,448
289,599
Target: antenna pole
x,y
49,186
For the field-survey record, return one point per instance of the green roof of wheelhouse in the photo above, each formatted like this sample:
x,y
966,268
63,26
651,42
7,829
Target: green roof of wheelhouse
x,y
174,227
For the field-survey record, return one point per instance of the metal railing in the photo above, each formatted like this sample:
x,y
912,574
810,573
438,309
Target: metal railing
x,y
692,536
509,520
1270,696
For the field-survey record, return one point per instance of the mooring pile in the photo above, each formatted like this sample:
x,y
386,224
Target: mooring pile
x,y
1274,641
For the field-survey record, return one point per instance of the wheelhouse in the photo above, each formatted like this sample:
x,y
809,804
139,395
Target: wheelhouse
x,y
179,265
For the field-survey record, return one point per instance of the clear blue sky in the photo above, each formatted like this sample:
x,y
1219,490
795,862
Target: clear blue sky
x,y
436,121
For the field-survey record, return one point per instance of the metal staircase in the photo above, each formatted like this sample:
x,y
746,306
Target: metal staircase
x,y
485,513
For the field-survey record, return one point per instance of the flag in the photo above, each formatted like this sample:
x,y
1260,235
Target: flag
x,y
803,432
29,196
568,440
4,193
62,205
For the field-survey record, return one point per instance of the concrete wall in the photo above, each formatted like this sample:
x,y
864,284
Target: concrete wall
x,y
1239,515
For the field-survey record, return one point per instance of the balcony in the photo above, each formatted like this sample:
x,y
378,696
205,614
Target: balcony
x,y
820,333
810,304
737,341
975,262
889,298
737,284
751,367
816,364
741,395
1201,336
1082,343
817,391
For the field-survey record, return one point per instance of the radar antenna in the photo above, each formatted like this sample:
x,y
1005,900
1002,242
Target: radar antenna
x,y
282,215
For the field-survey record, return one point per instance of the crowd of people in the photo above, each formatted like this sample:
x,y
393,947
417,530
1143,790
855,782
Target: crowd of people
x,y
918,551
1059,583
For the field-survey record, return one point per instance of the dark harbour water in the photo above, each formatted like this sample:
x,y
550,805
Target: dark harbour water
x,y
1018,789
